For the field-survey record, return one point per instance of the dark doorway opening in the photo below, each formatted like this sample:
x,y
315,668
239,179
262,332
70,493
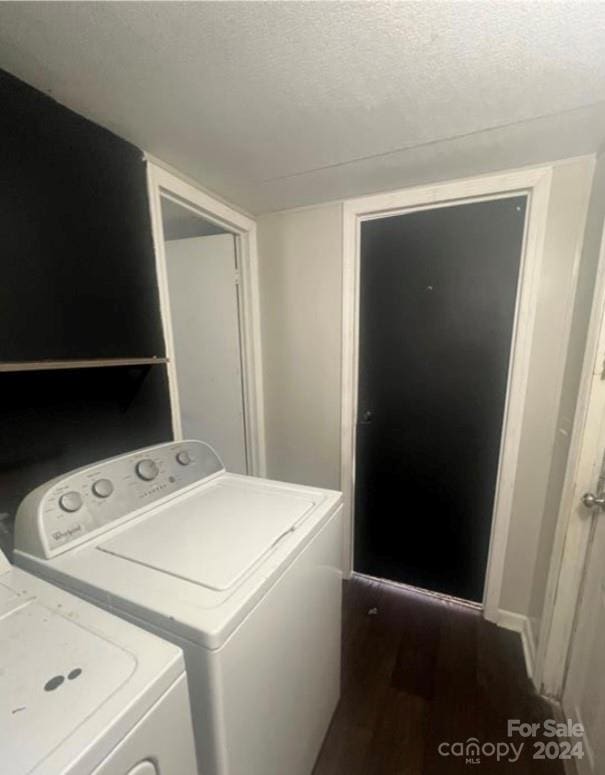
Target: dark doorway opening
x,y
438,292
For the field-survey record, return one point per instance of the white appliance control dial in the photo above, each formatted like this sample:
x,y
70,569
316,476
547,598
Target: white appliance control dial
x,y
102,488
183,457
147,470
70,501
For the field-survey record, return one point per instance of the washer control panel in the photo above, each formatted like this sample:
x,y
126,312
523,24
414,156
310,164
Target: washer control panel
x,y
85,501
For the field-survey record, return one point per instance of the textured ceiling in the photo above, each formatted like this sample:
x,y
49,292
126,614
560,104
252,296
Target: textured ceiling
x,y
255,100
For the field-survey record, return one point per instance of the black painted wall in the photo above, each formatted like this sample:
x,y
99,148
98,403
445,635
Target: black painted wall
x,y
77,280
78,269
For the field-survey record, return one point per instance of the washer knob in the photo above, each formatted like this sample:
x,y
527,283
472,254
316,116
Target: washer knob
x,y
71,501
147,470
102,488
183,457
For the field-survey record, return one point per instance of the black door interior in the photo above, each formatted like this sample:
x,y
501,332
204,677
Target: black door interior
x,y
437,302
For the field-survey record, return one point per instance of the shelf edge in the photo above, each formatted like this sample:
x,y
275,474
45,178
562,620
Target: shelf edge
x,y
77,363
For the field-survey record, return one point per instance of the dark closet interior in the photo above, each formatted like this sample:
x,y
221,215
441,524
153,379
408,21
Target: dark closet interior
x,y
78,266
77,281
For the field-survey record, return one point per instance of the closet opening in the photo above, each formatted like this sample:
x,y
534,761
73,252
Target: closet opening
x,y
208,286
203,286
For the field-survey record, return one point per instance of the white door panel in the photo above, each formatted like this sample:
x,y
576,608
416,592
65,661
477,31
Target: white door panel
x,y
584,694
205,322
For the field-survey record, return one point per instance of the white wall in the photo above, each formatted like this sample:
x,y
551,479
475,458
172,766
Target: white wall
x,y
300,254
300,260
564,235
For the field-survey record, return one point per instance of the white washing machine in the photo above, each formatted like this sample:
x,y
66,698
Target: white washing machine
x,y
83,692
243,573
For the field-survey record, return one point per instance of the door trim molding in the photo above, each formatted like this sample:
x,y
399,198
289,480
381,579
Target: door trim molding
x,y
162,182
533,181
575,523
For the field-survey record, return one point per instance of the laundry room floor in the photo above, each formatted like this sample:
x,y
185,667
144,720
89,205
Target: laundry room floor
x,y
418,671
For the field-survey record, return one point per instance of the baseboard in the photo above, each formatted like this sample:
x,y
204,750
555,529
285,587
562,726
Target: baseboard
x,y
519,623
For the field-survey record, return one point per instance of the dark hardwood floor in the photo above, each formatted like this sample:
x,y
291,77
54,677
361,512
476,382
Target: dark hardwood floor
x,y
417,672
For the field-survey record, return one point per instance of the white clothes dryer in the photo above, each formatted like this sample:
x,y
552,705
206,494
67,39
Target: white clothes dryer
x,y
82,691
244,574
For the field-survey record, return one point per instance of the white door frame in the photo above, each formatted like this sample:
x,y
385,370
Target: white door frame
x,y
163,183
535,182
574,525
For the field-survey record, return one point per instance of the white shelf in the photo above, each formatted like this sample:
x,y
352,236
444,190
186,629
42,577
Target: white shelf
x,y
91,363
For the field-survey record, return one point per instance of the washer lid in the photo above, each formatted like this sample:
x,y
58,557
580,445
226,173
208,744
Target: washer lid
x,y
40,704
214,536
